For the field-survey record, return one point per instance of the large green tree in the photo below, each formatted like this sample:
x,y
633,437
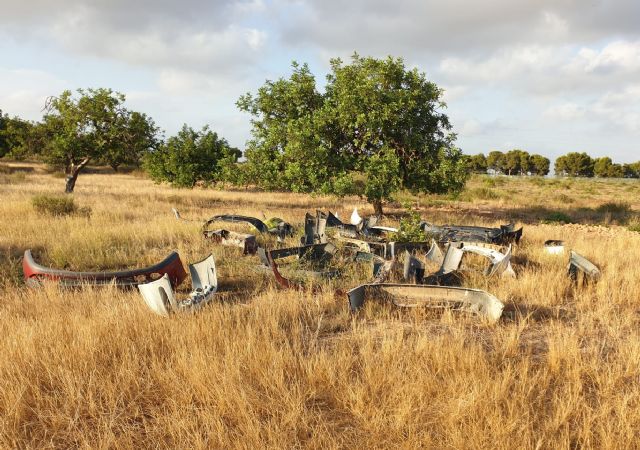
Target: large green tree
x,y
192,156
94,126
377,128
575,164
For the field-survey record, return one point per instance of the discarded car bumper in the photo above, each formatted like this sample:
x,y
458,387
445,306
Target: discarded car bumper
x,y
578,264
160,298
171,266
473,301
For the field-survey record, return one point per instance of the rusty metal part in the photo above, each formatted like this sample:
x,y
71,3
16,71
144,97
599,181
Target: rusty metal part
x,y
473,301
160,298
171,266
317,252
578,264
247,242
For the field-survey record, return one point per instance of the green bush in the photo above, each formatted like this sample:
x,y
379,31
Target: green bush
x,y
58,206
615,208
489,182
409,229
557,217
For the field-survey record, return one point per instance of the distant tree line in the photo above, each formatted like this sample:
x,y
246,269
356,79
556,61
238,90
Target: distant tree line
x,y
513,162
574,164
582,165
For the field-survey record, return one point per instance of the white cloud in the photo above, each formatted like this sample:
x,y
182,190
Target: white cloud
x,y
24,92
565,111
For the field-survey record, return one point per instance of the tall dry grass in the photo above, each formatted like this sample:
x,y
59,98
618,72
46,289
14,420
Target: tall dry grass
x,y
265,368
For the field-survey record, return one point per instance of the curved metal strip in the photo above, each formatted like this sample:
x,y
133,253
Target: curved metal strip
x,y
170,266
472,301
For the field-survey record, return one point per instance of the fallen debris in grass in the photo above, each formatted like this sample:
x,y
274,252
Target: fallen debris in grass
x,y
473,301
160,298
171,267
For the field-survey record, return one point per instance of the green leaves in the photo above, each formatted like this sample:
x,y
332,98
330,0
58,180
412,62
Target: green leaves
x,y
95,126
191,157
575,164
377,128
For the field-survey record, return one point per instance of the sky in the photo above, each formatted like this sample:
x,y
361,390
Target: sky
x,y
546,76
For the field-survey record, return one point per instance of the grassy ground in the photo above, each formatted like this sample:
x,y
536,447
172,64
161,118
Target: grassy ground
x,y
261,367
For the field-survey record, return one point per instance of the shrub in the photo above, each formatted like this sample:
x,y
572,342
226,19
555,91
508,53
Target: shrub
x,y
618,211
409,229
58,206
557,217
615,208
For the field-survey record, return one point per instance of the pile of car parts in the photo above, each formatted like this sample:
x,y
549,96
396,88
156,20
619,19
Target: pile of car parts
x,y
160,298
170,267
318,254
472,301
505,234
451,263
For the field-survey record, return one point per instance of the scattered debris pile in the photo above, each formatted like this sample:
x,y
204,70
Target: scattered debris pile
x,y
431,270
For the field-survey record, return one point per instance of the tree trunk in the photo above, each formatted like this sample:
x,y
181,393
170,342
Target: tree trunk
x,y
377,207
72,175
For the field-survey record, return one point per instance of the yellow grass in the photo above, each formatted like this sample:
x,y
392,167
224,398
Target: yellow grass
x,y
261,367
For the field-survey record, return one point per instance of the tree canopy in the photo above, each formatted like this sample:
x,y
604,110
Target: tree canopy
x,y
575,164
517,162
94,126
191,157
377,128
477,163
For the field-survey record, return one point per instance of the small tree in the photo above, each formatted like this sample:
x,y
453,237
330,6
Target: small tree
x,y
95,126
191,157
539,165
495,161
602,166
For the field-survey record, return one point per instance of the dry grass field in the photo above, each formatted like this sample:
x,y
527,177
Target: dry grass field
x,y
265,368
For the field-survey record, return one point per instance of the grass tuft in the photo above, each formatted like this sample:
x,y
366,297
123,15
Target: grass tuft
x,y
58,206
